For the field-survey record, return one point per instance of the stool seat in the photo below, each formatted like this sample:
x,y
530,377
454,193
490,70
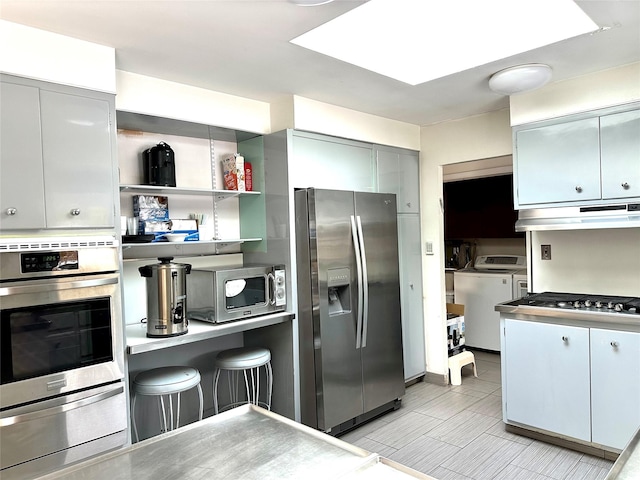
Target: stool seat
x,y
456,363
166,380
245,362
243,358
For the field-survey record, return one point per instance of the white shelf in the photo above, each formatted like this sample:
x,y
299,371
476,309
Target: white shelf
x,y
155,190
155,249
138,342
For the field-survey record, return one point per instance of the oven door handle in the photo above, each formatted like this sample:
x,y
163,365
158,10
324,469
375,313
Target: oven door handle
x,y
60,284
64,407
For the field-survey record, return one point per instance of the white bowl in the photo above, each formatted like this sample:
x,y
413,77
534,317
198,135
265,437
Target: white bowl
x,y
175,237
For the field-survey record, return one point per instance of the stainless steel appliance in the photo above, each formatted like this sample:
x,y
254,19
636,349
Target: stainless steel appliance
x,y
220,296
576,305
480,288
350,334
166,297
62,395
579,218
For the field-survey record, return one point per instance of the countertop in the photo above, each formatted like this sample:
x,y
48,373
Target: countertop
x,y
245,443
138,342
627,467
627,321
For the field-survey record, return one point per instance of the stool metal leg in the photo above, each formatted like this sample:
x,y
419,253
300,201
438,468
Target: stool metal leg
x,y
177,414
162,414
133,417
269,384
201,402
216,378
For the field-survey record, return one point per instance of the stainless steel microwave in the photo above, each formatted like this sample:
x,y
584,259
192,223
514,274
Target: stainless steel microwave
x,y
219,296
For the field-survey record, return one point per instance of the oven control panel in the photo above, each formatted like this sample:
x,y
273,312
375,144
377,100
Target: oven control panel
x,y
33,262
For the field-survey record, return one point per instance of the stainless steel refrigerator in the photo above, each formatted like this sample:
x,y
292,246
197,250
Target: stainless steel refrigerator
x,y
350,334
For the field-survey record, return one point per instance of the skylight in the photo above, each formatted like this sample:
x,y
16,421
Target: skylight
x,y
415,41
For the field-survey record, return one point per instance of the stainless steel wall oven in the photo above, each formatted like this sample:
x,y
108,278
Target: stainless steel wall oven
x,y
62,395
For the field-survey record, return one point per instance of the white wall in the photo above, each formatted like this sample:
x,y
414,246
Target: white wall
x,y
472,138
152,96
321,117
607,88
55,58
605,262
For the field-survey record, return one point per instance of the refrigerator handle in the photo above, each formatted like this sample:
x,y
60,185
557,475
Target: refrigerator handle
x,y
365,282
356,246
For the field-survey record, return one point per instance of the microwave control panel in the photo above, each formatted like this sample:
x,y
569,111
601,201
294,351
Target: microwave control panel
x,y
281,291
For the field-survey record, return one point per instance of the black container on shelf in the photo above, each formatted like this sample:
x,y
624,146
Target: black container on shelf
x,y
159,166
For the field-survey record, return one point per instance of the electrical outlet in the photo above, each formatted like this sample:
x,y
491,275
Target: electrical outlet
x,y
545,252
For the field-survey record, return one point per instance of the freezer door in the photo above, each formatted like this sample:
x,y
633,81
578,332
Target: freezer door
x,y
333,308
382,361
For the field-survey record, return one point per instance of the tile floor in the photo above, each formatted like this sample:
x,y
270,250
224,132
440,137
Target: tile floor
x,y
456,433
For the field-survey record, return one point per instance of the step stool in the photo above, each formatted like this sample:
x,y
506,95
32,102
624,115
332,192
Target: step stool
x,y
456,363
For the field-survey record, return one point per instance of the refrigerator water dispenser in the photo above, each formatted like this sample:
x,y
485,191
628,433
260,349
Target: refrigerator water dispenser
x,y
339,291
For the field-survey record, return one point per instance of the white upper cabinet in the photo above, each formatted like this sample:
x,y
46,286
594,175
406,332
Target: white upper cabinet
x,y
21,156
321,161
57,157
399,173
584,160
558,163
620,150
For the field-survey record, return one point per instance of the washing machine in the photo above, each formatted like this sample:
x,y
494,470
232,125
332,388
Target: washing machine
x,y
479,289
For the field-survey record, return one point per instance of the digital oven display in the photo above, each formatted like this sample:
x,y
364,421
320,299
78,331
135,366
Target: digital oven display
x,y
33,262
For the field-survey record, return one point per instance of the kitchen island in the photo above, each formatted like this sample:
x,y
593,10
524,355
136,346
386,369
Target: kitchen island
x,y
245,443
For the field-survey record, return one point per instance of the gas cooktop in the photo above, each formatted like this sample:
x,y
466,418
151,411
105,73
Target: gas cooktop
x,y
574,301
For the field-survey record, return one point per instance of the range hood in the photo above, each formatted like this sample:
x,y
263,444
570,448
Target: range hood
x,y
579,218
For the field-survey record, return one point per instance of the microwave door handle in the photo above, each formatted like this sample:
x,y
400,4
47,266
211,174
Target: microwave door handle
x,y
356,247
365,283
271,290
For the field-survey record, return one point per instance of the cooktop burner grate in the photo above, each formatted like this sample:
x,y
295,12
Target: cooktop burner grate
x,y
603,303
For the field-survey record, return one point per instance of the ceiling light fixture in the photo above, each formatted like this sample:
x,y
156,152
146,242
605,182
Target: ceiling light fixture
x,y
310,3
521,78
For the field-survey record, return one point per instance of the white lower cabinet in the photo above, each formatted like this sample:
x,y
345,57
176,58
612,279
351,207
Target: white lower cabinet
x,y
615,386
578,382
547,377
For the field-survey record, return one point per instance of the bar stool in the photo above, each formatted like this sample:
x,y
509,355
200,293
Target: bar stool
x,y
166,381
247,360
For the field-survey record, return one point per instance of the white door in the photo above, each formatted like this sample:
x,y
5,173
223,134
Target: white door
x,y
480,293
615,386
547,377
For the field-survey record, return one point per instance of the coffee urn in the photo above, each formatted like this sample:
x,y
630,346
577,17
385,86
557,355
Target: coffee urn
x,y
166,297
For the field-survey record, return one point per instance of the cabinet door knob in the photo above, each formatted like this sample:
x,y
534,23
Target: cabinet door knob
x,y
12,211
625,185
409,204
411,286
578,189
615,344
75,212
565,339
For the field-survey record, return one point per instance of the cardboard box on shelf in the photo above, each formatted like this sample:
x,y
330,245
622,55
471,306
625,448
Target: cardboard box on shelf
x,y
455,328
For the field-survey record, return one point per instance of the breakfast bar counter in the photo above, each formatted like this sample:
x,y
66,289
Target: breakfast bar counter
x,y
138,342
245,443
